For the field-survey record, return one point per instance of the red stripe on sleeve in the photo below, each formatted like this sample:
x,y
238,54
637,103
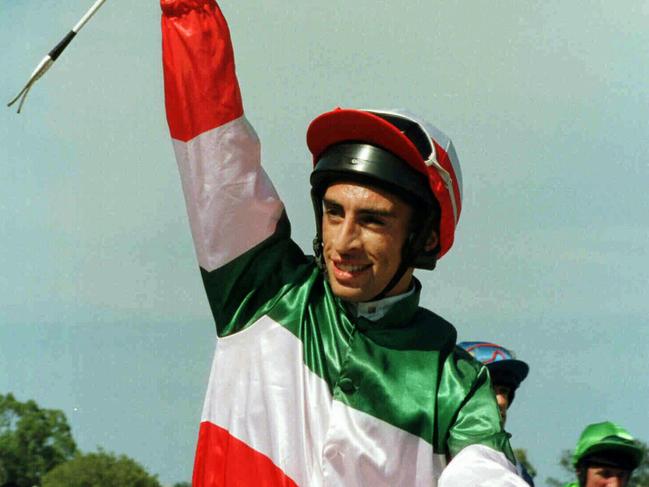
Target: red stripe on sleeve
x,y
223,460
201,89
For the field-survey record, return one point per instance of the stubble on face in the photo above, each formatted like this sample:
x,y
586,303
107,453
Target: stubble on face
x,y
364,229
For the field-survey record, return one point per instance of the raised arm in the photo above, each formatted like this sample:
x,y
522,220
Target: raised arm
x,y
232,205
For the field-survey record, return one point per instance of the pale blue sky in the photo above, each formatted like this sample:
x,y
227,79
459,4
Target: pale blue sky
x,y
102,312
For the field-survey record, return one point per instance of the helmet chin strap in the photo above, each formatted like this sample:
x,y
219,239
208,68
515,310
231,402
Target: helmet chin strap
x,y
317,241
412,247
403,267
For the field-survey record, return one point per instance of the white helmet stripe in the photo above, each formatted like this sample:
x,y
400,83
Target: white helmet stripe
x,y
433,133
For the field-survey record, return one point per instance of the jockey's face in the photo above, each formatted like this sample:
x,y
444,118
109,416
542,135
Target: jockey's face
x,y
603,476
502,398
364,229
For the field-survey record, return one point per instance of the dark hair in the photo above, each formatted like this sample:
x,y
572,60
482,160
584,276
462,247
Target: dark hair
x,y
582,474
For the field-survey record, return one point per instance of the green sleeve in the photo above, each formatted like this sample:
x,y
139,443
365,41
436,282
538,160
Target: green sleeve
x,y
245,289
469,413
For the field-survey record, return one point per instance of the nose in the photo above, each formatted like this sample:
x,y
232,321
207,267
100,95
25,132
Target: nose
x,y
615,481
347,234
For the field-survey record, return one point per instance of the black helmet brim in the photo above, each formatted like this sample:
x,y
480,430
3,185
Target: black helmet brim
x,y
365,163
509,372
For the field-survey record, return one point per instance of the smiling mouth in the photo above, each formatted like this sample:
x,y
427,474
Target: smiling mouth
x,y
345,271
350,267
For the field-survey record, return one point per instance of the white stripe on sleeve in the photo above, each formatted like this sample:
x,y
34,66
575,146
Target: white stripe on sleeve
x,y
231,202
480,466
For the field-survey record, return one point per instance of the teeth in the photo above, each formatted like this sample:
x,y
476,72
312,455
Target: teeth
x,y
350,268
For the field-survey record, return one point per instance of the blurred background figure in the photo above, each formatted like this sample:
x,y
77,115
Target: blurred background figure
x,y
605,456
507,373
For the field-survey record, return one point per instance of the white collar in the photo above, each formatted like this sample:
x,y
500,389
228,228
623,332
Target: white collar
x,y
375,310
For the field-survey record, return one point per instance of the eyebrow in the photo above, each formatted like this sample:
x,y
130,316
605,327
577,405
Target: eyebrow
x,y
362,211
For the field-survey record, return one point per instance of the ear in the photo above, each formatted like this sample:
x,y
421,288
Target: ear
x,y
432,241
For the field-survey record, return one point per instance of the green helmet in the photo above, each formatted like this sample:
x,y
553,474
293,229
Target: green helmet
x,y
607,443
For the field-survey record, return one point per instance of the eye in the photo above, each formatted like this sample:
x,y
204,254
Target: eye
x,y
333,210
373,220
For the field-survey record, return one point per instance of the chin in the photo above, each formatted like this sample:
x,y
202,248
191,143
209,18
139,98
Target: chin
x,y
350,294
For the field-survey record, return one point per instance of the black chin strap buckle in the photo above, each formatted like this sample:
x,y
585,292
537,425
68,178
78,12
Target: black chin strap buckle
x,y
317,252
